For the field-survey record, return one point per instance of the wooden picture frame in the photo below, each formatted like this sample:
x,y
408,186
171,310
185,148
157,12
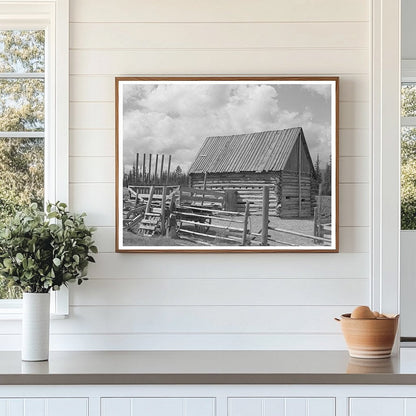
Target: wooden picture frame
x,y
227,164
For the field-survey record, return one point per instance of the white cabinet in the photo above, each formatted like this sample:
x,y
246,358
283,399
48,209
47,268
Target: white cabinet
x,y
382,406
146,406
44,407
268,406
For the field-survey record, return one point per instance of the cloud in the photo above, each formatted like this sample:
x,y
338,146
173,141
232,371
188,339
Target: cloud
x,y
175,119
323,90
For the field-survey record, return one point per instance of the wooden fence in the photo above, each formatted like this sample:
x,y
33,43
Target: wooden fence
x,y
266,227
201,216
198,223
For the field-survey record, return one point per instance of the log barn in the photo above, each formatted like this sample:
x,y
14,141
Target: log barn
x,y
243,164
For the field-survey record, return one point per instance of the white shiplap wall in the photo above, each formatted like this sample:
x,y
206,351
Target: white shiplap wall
x,y
173,301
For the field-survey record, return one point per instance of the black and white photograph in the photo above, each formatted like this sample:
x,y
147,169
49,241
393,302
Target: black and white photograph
x,y
226,164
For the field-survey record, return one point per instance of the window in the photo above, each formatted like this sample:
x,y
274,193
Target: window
x,y
33,111
22,124
408,155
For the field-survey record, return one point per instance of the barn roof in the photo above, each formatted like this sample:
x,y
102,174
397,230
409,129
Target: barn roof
x,y
266,151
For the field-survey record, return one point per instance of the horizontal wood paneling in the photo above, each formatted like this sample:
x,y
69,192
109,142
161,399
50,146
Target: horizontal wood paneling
x,y
256,301
352,115
90,169
354,205
218,35
218,11
92,115
194,320
220,291
201,319
354,169
99,88
96,199
146,342
93,143
220,61
354,142
352,239
267,265
104,238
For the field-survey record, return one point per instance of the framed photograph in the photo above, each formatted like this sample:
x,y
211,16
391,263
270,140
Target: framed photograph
x,y
227,164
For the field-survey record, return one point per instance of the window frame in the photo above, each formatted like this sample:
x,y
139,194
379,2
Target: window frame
x,y
53,17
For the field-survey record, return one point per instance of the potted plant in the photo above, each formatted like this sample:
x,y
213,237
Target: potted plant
x,y
40,252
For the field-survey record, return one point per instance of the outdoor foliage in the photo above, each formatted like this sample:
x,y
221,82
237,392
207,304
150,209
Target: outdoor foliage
x,y
408,179
323,176
408,161
40,252
21,109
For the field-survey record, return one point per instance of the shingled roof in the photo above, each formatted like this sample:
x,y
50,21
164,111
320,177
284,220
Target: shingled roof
x,y
266,151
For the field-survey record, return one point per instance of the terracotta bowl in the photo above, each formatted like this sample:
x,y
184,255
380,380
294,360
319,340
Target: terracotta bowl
x,y
369,338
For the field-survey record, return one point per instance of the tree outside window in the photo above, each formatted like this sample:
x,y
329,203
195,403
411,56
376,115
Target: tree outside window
x,y
22,124
408,157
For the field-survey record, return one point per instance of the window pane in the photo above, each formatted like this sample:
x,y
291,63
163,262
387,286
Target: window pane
x,y
21,173
408,100
21,109
21,182
22,51
408,178
22,105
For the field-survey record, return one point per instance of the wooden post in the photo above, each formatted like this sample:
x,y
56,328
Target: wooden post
x,y
317,215
169,162
144,168
172,226
156,163
150,168
149,202
161,168
137,167
163,211
204,188
265,217
245,225
300,176
136,202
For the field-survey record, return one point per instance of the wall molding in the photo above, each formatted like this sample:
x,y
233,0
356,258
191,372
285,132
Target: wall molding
x,y
385,98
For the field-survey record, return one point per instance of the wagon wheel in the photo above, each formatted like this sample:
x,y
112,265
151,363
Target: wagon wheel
x,y
134,212
133,218
180,215
205,223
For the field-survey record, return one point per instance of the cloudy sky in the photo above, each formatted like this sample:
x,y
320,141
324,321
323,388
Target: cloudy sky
x,y
174,119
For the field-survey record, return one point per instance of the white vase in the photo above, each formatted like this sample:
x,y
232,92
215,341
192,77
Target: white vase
x,y
35,326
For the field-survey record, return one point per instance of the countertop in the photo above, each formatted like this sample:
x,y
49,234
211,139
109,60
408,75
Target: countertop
x,y
207,367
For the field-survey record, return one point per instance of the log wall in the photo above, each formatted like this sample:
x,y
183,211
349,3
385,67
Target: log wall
x,y
249,187
290,195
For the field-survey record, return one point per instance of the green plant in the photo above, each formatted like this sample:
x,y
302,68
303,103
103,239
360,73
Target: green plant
x,y
43,251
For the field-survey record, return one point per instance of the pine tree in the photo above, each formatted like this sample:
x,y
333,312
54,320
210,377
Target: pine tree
x,y
318,174
21,109
327,179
